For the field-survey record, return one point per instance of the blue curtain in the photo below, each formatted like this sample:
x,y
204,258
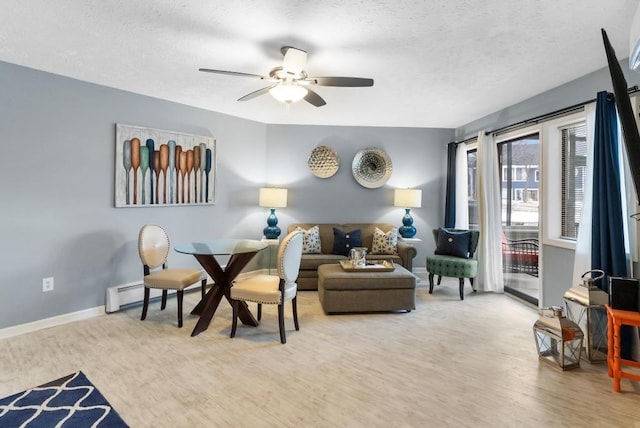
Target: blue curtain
x,y
607,230
450,201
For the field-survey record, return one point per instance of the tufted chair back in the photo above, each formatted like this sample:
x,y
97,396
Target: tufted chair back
x,y
289,257
153,245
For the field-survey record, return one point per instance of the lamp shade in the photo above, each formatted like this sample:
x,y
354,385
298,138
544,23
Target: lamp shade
x,y
407,198
288,92
272,197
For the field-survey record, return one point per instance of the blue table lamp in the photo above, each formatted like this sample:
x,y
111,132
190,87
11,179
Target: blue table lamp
x,y
407,199
272,198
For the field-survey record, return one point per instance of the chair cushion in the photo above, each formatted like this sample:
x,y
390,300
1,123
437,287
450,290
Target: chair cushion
x,y
343,242
172,279
261,289
385,243
453,243
452,266
311,243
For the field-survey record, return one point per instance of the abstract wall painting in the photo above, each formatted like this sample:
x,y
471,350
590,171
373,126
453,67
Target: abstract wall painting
x,y
157,168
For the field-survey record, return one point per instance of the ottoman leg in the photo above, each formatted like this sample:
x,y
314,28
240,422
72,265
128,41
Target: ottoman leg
x,y
461,288
430,283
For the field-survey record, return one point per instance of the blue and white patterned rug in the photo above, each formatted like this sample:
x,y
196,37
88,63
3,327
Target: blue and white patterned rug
x,y
72,402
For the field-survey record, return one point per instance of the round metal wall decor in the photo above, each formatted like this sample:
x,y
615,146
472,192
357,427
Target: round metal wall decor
x,y
323,162
371,168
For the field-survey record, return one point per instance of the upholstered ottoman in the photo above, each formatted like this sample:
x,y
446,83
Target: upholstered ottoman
x,y
342,291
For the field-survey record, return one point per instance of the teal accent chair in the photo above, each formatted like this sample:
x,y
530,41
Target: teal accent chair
x,y
452,266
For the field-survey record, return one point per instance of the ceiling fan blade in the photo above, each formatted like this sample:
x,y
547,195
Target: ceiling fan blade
x,y
313,98
341,81
294,60
256,93
233,73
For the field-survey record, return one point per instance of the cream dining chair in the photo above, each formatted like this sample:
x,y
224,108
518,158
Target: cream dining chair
x,y
272,289
153,247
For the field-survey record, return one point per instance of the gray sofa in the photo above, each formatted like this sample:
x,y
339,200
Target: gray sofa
x,y
308,277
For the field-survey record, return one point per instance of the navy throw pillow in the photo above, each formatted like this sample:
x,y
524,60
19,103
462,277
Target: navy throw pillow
x,y
453,243
343,242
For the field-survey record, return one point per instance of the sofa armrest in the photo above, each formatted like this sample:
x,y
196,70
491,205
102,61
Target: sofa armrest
x,y
407,252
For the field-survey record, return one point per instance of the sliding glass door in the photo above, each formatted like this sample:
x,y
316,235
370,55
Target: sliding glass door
x,y
520,183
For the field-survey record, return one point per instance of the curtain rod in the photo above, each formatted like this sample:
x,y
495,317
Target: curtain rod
x,y
551,115
543,117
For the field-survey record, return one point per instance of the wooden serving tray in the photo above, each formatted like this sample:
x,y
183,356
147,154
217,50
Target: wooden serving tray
x,y
371,266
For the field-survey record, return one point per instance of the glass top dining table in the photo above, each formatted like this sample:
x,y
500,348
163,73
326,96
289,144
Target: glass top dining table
x,y
220,247
241,252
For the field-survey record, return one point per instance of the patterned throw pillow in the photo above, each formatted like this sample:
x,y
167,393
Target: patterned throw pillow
x,y
453,243
343,242
385,243
310,240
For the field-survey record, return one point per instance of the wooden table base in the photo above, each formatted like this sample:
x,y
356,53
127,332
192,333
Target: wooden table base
x,y
223,280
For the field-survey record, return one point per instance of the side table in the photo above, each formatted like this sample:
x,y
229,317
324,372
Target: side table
x,y
414,242
615,319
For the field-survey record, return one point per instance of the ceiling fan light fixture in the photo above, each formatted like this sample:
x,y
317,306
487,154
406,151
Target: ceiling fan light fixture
x,y
288,92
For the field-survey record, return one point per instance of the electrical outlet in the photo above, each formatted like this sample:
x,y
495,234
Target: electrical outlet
x,y
47,284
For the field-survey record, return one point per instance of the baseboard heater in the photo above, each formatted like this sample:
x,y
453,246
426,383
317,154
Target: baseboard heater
x,y
120,296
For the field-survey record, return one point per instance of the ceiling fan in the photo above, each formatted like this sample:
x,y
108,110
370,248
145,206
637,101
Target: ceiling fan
x,y
291,83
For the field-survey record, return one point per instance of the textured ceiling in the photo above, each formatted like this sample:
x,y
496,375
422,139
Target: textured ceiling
x,y
436,63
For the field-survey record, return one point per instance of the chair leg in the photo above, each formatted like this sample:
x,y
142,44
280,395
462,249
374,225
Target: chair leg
x,y
439,279
430,283
472,286
234,323
179,296
283,338
259,311
145,304
164,300
461,288
294,305
203,290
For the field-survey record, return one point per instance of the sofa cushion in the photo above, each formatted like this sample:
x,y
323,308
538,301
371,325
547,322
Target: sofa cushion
x,y
453,243
343,242
312,261
385,243
310,240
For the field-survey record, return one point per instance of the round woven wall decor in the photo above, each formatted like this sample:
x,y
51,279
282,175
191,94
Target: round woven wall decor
x,y
371,168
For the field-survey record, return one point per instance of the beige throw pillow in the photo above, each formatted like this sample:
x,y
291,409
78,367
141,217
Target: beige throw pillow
x,y
310,240
385,243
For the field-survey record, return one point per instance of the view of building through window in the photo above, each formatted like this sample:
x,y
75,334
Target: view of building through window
x,y
472,162
519,160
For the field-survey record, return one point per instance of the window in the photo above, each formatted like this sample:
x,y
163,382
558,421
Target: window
x,y
519,160
472,162
574,161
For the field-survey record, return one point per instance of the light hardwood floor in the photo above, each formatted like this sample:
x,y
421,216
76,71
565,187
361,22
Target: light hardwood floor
x,y
455,363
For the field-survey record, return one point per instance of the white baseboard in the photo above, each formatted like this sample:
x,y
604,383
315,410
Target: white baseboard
x,y
133,291
51,322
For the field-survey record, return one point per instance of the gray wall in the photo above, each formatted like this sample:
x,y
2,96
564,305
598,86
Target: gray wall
x,y
57,175
557,262
419,161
